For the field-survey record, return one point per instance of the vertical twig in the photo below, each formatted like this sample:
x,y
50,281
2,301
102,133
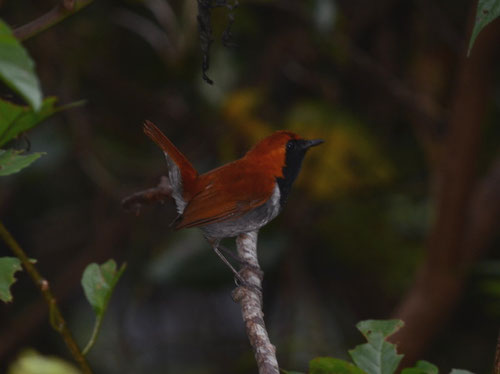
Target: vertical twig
x,y
249,296
57,320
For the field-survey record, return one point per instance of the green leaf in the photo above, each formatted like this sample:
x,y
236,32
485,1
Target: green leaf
x,y
329,365
290,372
377,356
11,160
98,282
487,11
421,367
460,371
384,327
31,362
8,266
17,69
15,119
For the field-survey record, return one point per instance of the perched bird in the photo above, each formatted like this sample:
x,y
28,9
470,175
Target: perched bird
x,y
238,197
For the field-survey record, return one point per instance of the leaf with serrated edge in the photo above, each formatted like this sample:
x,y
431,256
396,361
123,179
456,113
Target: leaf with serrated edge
x,y
421,367
377,356
8,266
330,365
487,11
98,282
384,327
17,69
12,161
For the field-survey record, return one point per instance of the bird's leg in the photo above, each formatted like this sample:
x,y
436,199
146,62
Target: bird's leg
x,y
238,279
238,259
221,256
230,253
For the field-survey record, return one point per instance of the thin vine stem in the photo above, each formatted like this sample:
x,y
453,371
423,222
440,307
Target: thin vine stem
x,y
61,11
95,334
56,318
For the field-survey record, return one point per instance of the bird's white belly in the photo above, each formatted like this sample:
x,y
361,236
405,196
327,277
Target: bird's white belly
x,y
251,221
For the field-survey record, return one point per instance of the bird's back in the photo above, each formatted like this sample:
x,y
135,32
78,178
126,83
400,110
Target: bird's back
x,y
226,193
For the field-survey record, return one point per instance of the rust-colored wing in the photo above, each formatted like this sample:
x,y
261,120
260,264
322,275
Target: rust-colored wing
x,y
187,170
227,193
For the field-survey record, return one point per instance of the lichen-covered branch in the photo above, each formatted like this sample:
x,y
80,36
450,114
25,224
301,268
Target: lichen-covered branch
x,y
249,296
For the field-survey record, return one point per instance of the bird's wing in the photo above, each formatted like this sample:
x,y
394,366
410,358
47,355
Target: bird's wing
x,y
226,194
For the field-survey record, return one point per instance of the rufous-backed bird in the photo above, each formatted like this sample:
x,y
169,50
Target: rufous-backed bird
x,y
238,197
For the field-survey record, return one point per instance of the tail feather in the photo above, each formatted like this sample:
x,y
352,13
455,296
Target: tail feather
x,y
188,172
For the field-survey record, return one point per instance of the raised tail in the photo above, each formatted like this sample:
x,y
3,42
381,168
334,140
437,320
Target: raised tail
x,y
187,170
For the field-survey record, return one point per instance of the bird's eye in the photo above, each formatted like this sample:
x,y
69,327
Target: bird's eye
x,y
290,146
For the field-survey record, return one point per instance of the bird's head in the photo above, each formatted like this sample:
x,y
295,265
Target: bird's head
x,y
281,154
282,148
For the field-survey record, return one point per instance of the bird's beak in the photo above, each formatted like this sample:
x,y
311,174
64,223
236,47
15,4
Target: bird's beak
x,y
312,143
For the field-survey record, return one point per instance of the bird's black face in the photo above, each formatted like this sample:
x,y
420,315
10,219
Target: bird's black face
x,y
295,151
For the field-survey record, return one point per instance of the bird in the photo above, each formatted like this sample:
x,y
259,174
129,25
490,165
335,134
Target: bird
x,y
238,197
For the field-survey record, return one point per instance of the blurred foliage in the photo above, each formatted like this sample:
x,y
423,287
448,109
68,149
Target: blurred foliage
x,y
31,362
17,72
17,69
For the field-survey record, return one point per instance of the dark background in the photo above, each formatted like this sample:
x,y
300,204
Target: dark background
x,y
396,215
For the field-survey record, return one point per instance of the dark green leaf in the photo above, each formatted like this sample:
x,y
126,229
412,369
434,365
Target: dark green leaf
x,y
98,282
384,327
290,372
421,367
11,161
329,365
15,119
17,69
377,356
487,11
8,266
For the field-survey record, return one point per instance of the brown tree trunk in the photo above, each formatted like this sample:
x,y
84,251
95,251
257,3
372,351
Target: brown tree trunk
x,y
463,223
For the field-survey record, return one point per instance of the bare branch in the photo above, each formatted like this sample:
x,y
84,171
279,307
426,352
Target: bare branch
x,y
160,193
61,11
249,296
